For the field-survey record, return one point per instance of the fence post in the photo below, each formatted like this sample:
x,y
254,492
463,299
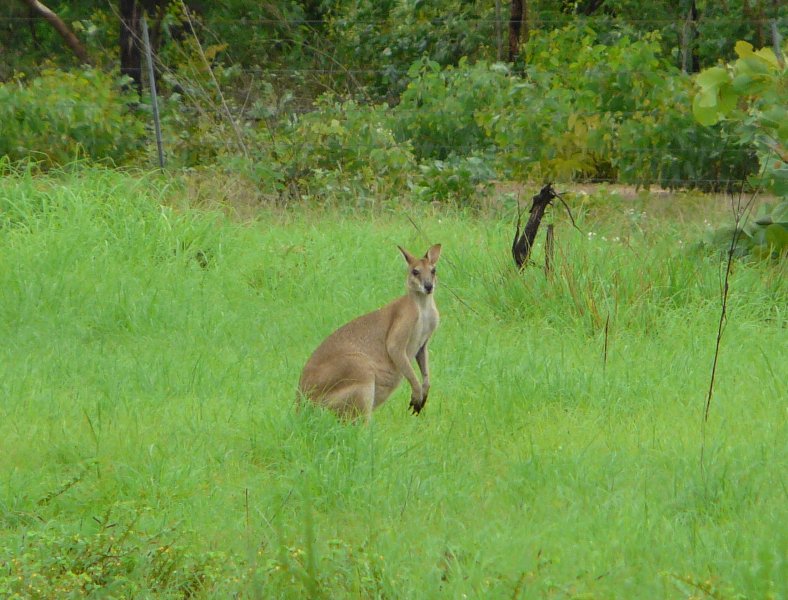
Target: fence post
x,y
153,97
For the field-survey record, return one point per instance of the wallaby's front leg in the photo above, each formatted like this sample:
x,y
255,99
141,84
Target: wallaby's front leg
x,y
417,394
422,358
396,345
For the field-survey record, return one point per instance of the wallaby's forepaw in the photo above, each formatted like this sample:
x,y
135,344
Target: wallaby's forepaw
x,y
416,403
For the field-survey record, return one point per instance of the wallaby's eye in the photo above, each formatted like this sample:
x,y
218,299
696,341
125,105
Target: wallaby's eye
x,y
415,272
433,270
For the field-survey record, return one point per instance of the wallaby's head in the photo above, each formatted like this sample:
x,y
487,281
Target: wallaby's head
x,y
421,271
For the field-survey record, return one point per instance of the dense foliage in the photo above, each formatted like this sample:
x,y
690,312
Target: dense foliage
x,y
750,94
60,116
351,99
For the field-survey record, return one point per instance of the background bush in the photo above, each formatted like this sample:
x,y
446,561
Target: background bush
x,y
347,99
61,116
615,111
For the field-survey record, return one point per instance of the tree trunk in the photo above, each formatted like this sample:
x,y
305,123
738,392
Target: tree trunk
x,y
754,16
131,48
32,25
130,42
590,8
516,20
694,53
760,34
498,30
65,32
690,61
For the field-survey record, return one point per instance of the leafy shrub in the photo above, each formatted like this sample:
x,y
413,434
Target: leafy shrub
x,y
458,179
59,116
750,94
342,141
438,110
561,119
387,36
667,147
605,111
765,236
259,169
260,32
195,134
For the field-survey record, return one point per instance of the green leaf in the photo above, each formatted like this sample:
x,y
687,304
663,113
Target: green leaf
x,y
716,97
742,82
727,99
707,97
705,111
777,236
743,49
759,237
711,78
753,64
780,213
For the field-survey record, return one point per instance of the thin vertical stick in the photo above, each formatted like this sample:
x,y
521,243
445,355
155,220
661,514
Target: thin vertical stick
x,y
604,349
740,216
246,506
549,251
153,97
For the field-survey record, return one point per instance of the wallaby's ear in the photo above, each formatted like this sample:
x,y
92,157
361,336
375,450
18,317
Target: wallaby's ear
x,y
433,254
408,256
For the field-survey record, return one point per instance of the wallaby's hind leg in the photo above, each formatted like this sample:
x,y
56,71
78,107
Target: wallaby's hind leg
x,y
352,401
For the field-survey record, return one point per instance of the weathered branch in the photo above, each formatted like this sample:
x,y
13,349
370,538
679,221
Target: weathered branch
x,y
65,32
521,246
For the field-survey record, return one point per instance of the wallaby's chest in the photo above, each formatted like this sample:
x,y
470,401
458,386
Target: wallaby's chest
x,y
426,324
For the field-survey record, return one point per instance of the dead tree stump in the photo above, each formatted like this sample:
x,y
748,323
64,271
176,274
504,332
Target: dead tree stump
x,y
522,244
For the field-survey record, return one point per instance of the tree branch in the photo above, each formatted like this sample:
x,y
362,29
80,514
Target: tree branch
x,y
65,32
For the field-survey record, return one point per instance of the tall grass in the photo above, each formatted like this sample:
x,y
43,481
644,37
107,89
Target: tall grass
x,y
149,355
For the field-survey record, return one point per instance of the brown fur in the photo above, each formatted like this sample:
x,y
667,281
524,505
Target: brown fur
x,y
358,366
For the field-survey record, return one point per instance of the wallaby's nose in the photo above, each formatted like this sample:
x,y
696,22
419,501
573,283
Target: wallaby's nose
x,y
428,287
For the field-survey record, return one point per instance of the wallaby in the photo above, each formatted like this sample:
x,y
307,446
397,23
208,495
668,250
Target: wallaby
x,y
358,366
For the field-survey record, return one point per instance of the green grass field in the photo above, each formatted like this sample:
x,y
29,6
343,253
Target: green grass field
x,y
149,447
